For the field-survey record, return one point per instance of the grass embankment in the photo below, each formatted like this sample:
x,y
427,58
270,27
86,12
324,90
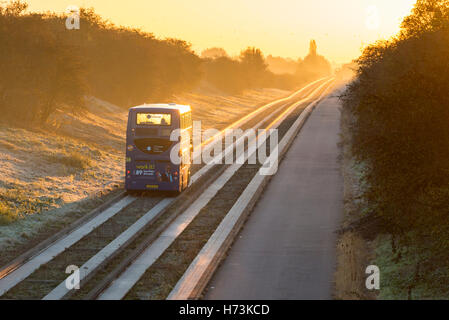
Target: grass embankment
x,y
397,115
25,190
73,158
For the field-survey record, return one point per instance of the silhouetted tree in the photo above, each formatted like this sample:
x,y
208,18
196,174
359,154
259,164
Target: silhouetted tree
x,y
313,66
213,53
45,66
254,67
39,72
280,65
427,15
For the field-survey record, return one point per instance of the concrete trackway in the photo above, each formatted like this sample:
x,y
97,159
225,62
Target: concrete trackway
x,y
287,247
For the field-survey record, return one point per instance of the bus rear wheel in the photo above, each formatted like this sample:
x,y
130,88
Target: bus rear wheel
x,y
188,179
181,184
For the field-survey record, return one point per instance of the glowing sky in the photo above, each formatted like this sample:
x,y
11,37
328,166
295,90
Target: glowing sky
x,y
278,27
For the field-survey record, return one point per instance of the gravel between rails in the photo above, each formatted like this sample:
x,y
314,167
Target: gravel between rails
x,y
44,279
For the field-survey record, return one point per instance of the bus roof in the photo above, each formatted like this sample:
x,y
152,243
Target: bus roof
x,y
169,106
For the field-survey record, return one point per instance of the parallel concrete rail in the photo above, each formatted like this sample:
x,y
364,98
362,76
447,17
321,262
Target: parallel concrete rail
x,y
96,261
121,286
59,246
198,274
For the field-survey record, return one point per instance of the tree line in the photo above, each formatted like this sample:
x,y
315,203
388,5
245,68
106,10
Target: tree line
x,y
400,134
251,70
44,66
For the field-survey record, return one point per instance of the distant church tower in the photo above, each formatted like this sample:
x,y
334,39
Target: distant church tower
x,y
312,49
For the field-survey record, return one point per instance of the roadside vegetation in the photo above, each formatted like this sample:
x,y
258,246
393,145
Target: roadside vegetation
x,y
45,66
252,70
397,113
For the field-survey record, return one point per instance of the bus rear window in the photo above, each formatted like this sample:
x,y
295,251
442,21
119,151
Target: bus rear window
x,y
154,119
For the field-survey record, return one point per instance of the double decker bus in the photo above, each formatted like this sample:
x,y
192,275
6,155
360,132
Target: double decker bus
x,y
149,150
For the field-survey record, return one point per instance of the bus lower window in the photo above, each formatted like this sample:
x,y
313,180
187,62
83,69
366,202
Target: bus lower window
x,y
166,132
147,131
158,119
153,145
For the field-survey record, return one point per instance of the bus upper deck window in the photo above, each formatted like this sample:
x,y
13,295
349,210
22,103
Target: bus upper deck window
x,y
155,119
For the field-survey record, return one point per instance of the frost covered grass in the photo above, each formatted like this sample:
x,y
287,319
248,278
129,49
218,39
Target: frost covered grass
x,y
354,252
7,214
399,275
17,202
73,159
